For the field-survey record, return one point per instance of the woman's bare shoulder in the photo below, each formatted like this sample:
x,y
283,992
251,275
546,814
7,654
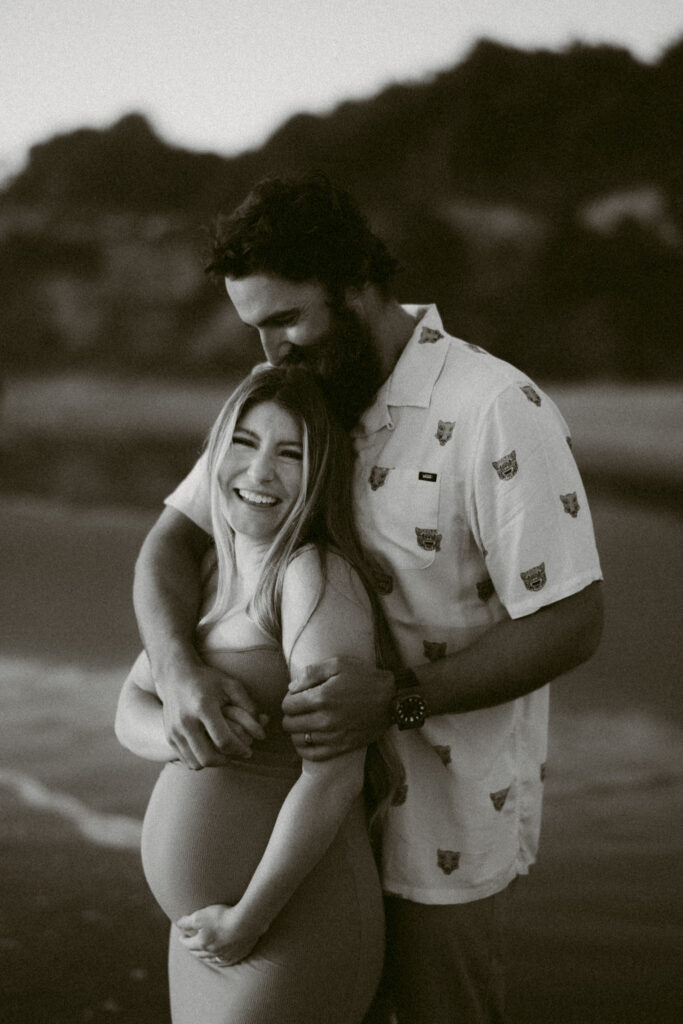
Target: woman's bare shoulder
x,y
325,610
313,571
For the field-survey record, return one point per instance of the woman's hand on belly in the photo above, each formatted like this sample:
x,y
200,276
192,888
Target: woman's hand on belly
x,y
218,935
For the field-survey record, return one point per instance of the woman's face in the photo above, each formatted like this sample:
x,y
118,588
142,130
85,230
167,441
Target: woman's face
x,y
262,474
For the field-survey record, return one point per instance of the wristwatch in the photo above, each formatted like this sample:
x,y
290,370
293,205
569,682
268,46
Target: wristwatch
x,y
408,708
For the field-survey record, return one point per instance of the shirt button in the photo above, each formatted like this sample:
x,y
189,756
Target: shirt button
x,y
390,426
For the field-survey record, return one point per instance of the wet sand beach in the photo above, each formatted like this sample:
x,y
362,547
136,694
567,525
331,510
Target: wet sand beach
x,y
596,928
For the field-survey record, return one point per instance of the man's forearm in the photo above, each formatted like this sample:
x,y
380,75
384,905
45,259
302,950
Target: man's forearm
x,y
516,656
167,590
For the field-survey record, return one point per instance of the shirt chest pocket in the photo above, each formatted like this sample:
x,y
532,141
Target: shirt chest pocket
x,y
400,514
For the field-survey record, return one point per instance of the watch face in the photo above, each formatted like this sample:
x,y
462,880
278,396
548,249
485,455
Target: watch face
x,y
410,711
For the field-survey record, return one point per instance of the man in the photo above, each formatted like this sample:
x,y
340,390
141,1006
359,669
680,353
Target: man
x,y
467,494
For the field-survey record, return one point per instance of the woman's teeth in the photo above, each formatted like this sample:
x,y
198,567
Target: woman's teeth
x,y
253,498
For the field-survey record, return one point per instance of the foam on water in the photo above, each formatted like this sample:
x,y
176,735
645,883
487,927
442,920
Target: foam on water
x,y
48,713
113,830
43,705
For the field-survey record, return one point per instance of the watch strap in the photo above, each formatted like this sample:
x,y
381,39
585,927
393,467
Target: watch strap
x,y
406,679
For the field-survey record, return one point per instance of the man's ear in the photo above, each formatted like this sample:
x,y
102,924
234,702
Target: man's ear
x,y
354,297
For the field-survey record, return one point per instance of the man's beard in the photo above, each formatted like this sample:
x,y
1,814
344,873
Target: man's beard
x,y
344,363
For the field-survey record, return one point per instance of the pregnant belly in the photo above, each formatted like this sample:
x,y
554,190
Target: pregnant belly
x,y
204,833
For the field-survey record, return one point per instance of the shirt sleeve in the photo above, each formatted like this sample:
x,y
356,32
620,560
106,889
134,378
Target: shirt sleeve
x,y
192,495
529,510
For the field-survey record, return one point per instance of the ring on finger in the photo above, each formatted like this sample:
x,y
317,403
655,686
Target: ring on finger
x,y
308,739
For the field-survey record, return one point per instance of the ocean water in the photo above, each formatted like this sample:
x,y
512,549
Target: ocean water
x,y
596,926
69,635
60,757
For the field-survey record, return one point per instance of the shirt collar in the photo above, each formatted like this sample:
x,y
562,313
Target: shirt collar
x,y
415,374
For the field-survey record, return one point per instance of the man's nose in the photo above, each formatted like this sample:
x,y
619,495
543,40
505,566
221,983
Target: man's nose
x,y
275,346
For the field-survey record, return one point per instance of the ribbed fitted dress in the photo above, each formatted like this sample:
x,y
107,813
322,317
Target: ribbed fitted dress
x,y
203,836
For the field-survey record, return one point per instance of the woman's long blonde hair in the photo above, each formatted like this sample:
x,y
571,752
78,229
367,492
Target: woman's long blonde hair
x,y
322,515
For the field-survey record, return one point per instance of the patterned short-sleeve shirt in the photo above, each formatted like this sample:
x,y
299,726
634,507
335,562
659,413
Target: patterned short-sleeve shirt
x,y
467,493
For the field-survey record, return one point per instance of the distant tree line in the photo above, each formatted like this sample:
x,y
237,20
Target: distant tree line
x,y
534,196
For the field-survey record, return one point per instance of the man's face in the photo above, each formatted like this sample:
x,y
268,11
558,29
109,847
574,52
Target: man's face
x,y
298,322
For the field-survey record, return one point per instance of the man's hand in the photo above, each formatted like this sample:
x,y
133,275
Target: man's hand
x,y
208,716
337,706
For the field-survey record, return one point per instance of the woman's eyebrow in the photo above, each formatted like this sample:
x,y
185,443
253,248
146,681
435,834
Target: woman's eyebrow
x,y
281,444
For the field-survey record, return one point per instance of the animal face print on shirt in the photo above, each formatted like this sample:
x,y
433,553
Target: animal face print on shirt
x,y
534,578
571,504
434,651
378,475
429,335
428,540
448,860
499,797
399,795
444,432
506,467
531,394
384,583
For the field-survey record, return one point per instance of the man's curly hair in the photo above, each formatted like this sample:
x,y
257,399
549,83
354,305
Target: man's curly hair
x,y
301,229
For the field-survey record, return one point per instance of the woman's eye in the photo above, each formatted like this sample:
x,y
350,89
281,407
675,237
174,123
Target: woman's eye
x,y
245,441
292,453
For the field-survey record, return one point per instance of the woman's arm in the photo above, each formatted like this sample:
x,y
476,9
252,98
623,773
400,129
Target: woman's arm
x,y
139,723
166,595
318,803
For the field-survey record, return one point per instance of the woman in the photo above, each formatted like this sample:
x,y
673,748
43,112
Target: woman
x,y
264,865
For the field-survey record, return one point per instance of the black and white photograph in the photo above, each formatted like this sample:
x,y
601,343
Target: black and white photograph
x,y
341,468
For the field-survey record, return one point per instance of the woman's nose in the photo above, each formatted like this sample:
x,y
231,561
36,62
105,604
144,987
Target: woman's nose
x,y
261,467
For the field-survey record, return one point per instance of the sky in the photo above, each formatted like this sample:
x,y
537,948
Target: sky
x,y
223,75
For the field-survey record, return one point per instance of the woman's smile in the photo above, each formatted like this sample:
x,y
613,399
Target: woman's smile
x,y
256,499
262,471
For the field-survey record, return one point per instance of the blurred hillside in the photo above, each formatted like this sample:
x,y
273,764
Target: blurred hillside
x,y
534,196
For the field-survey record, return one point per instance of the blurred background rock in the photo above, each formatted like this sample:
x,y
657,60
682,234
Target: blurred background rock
x,y
534,196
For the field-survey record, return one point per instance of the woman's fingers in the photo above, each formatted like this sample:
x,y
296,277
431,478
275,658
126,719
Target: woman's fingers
x,y
243,724
222,738
194,745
